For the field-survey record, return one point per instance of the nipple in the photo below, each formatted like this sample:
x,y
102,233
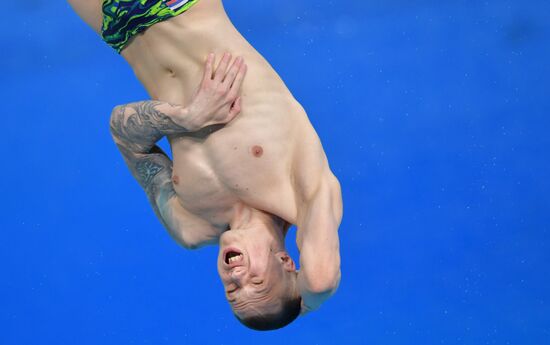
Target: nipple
x,y
176,179
257,151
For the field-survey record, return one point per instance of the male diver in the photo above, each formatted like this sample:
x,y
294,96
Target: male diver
x,y
247,162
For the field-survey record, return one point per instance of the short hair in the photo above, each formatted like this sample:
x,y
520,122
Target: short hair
x,y
267,322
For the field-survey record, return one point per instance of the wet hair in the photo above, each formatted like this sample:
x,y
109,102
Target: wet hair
x,y
268,322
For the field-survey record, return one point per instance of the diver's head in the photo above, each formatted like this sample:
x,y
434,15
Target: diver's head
x,y
259,277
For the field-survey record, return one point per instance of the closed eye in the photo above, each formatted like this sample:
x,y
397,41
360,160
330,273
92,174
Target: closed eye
x,y
231,295
257,282
231,289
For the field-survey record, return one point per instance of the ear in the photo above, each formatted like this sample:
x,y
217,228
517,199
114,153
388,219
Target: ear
x,y
286,261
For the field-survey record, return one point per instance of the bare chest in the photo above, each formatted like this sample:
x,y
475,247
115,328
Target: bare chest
x,y
248,161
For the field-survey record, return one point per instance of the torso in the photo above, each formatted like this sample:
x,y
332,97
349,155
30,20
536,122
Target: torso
x,y
253,159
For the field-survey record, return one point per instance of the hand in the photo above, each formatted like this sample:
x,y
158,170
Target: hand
x,y
217,100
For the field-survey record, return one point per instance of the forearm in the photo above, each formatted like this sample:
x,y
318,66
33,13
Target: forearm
x,y
138,126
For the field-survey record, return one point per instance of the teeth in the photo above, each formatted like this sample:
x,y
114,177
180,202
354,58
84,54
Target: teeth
x,y
235,258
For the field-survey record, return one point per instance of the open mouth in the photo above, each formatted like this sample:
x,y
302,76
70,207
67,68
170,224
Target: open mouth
x,y
232,256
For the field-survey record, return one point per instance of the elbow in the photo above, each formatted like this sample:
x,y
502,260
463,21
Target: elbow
x,y
319,285
116,120
189,245
328,286
187,241
324,283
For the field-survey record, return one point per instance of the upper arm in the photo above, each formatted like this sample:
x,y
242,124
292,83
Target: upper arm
x,y
90,11
319,215
153,171
318,242
186,229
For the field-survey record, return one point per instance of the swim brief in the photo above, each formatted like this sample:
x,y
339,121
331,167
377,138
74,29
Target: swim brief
x,y
123,19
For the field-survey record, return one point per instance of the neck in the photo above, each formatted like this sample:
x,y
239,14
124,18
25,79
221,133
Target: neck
x,y
246,218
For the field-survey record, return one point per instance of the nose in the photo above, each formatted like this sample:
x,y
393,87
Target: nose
x,y
237,274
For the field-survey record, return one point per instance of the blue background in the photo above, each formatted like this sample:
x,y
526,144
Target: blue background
x,y
435,117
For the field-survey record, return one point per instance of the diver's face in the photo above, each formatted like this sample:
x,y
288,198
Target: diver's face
x,y
252,273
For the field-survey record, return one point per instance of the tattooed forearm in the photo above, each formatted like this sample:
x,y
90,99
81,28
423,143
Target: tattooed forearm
x,y
138,126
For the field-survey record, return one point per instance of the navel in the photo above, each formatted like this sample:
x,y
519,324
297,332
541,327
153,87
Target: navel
x,y
257,151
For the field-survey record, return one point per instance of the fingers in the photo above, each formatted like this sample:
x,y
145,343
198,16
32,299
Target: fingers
x,y
232,72
208,68
237,82
235,108
222,68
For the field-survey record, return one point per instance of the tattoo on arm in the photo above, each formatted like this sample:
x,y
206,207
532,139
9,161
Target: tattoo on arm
x,y
136,128
140,125
147,170
154,173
